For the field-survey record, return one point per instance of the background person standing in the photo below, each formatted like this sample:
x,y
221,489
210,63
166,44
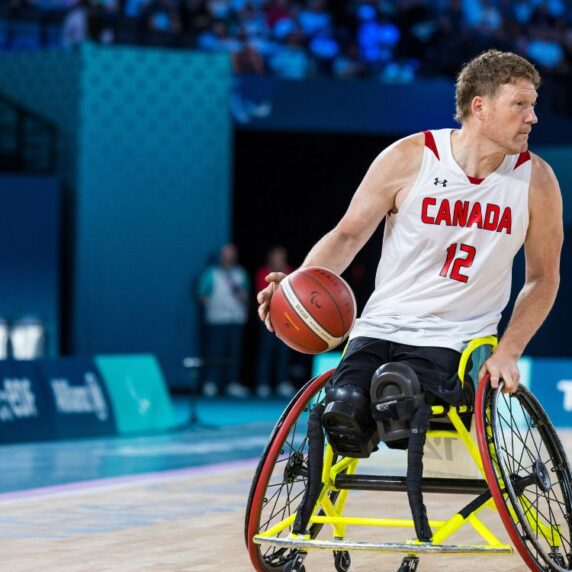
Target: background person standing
x,y
223,291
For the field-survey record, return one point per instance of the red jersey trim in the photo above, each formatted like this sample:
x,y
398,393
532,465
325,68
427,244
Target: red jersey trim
x,y
522,158
430,143
475,180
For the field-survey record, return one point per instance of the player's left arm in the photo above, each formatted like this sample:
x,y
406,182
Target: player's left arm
x,y
542,253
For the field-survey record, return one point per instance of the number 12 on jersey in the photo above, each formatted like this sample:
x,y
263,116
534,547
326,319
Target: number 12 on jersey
x,y
459,256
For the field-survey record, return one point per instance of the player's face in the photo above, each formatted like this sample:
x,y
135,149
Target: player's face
x,y
510,116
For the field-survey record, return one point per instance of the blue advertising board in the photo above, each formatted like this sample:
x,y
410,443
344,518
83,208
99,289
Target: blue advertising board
x,y
78,398
551,383
26,413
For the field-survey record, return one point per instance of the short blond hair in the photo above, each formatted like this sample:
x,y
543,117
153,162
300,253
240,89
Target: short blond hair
x,y
485,74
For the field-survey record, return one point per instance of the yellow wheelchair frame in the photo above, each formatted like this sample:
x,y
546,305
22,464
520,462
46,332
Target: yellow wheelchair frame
x,y
339,476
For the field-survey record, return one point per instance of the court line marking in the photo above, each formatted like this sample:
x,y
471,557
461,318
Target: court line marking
x,y
96,485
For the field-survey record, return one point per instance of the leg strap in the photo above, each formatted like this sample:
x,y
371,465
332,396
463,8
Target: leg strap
x,y
419,426
315,464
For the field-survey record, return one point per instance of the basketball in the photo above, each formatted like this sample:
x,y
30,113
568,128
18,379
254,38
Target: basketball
x,y
313,310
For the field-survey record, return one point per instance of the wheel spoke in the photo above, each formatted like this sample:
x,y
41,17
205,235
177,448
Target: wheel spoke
x,y
525,454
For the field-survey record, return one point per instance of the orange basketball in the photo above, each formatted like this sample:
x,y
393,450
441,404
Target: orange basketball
x,y
313,310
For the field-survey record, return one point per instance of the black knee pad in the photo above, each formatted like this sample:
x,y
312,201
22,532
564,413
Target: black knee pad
x,y
395,396
347,420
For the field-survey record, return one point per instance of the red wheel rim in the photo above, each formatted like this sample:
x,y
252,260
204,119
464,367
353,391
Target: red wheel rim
x,y
270,460
491,478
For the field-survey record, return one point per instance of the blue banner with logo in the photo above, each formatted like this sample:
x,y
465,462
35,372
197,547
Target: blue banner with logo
x,y
78,398
551,383
26,413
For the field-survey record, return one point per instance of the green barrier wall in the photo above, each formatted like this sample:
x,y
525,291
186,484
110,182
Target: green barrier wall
x,y
138,393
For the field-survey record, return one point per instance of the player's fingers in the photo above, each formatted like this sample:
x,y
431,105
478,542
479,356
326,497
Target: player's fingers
x,y
508,382
494,376
511,380
268,324
263,311
265,295
261,296
274,277
482,372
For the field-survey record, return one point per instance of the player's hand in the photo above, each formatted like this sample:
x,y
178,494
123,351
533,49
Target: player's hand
x,y
264,296
502,366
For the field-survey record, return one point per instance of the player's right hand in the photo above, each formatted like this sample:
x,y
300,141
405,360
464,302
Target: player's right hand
x,y
264,296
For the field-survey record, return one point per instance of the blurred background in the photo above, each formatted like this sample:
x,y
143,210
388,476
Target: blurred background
x,y
159,157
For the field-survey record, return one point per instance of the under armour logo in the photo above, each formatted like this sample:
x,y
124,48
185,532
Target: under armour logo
x,y
443,183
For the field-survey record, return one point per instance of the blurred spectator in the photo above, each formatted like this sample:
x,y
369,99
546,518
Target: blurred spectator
x,y
273,367
76,24
218,39
376,38
290,60
248,60
544,50
401,71
223,290
277,10
163,17
298,39
348,65
314,18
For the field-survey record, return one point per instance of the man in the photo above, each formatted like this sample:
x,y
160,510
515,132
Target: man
x,y
273,363
458,204
223,291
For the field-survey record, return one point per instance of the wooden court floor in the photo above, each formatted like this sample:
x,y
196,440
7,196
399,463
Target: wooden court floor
x,y
187,519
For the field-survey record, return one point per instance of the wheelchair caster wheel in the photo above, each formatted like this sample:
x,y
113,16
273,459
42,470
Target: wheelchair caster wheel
x,y
342,560
296,564
409,564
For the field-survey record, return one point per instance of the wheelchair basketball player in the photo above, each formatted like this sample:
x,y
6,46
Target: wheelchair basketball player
x,y
458,205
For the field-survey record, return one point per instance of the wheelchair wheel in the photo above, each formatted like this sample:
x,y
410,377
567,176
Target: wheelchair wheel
x,y
280,479
529,476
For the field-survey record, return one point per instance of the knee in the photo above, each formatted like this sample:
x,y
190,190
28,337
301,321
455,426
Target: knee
x,y
348,422
395,396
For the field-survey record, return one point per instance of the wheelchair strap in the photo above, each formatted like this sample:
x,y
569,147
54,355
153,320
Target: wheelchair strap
x,y
315,464
419,426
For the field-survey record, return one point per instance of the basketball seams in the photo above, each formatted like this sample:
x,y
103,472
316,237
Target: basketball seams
x,y
306,273
296,342
309,320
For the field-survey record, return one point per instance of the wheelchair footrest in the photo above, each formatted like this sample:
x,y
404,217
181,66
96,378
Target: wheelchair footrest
x,y
408,548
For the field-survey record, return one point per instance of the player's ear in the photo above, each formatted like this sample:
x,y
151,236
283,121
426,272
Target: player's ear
x,y
478,106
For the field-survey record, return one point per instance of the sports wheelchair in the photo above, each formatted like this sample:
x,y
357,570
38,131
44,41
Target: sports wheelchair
x,y
523,475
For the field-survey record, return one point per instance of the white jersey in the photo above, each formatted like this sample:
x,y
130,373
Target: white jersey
x,y
445,271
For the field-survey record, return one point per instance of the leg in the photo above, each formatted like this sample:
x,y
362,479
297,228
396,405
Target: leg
x,y
284,386
265,358
436,369
234,335
349,424
215,357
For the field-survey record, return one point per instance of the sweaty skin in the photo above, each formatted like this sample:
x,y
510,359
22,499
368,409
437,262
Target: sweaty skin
x,y
498,125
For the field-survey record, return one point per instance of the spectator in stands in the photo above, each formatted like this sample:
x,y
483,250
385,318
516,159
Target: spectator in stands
x,y
376,38
218,39
223,290
297,39
290,60
277,10
544,49
273,355
348,65
76,24
163,17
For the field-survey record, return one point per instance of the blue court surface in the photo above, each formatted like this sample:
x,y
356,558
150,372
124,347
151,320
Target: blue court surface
x,y
224,431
